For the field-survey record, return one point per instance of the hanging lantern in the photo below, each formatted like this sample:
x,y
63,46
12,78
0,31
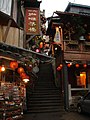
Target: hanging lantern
x,y
84,65
58,68
26,77
61,65
14,64
23,75
0,68
77,65
20,70
69,65
41,45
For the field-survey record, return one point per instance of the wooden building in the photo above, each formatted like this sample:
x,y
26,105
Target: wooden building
x,y
74,29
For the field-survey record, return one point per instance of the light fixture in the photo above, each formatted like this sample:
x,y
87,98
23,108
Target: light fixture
x,y
2,68
82,38
37,50
84,65
25,80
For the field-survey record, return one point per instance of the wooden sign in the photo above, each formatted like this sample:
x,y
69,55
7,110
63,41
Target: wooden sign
x,y
32,21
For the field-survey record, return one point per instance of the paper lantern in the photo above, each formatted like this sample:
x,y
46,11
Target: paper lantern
x,y
41,45
84,65
14,64
69,65
77,65
20,70
58,68
23,75
61,65
0,68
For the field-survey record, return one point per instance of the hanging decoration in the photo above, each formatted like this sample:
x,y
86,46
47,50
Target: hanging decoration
x,y
68,65
59,67
77,65
20,70
23,75
84,65
14,64
0,68
41,45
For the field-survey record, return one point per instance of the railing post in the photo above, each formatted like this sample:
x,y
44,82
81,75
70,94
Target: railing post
x,y
65,86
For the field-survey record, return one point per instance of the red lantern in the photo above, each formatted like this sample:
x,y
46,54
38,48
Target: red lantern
x,y
84,65
77,65
26,77
41,45
23,75
0,68
58,68
14,64
69,65
61,65
20,70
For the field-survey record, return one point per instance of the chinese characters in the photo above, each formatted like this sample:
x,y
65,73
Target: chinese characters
x,y
32,21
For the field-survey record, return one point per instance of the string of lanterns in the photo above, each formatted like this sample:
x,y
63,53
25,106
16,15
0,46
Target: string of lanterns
x,y
20,70
69,65
15,66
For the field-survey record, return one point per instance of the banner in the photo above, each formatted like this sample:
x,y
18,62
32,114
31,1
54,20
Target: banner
x,y
57,38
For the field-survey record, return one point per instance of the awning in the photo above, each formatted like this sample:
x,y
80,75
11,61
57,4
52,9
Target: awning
x,y
21,54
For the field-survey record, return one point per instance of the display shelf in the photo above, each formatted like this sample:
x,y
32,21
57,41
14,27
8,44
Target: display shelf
x,y
10,102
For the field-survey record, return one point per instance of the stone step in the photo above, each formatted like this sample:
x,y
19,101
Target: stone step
x,y
35,104
46,109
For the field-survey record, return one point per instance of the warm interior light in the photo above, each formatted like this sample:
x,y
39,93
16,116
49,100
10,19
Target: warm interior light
x,y
83,79
2,68
25,80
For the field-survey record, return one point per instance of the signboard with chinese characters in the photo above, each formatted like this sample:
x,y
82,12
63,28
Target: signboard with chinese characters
x,y
32,21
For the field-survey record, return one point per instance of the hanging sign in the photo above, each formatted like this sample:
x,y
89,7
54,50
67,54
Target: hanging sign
x,y
32,21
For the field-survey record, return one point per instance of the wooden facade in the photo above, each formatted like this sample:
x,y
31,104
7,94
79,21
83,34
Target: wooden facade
x,y
75,45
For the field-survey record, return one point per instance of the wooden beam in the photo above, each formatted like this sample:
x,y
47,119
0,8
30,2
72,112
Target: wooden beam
x,y
30,39
7,30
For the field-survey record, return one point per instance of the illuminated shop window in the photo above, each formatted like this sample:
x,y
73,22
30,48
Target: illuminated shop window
x,y
81,80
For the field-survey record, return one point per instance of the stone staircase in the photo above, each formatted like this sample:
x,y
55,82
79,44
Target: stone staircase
x,y
46,97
